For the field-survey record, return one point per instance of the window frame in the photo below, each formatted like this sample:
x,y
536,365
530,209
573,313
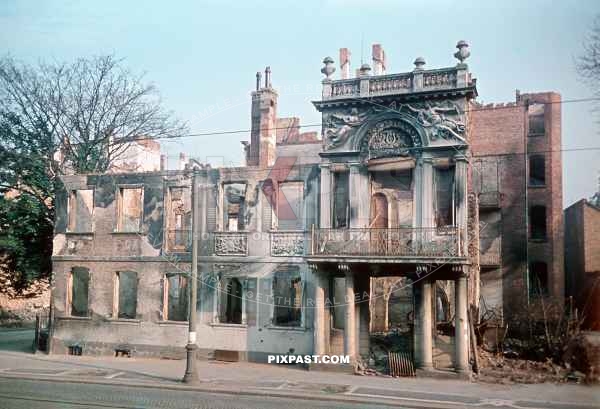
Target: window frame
x,y
69,293
165,310
119,210
531,159
117,295
302,324
72,216
531,224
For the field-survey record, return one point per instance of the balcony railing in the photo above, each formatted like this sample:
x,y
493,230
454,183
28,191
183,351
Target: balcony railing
x,y
231,243
179,240
394,242
287,243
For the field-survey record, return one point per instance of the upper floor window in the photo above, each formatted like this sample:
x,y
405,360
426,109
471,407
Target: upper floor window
x,y
538,279
289,211
77,292
179,218
234,205
129,216
80,210
125,305
287,298
341,200
536,120
537,170
443,182
537,222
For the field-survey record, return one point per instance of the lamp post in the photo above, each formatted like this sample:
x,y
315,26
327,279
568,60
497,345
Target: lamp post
x,y
191,376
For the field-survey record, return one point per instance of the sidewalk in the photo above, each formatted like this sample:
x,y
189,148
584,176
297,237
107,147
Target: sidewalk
x,y
277,380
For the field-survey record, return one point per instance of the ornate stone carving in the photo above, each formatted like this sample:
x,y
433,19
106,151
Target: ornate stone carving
x,y
339,125
287,244
437,120
329,68
390,137
231,244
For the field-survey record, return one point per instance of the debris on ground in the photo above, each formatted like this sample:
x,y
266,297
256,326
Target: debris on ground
x,y
20,308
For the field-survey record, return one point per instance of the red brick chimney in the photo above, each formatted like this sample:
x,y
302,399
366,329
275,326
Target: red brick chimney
x,y
263,133
379,60
345,63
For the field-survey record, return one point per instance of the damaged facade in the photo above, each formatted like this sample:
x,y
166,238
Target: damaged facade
x,y
410,207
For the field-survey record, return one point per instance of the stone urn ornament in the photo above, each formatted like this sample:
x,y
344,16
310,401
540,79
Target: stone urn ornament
x,y
328,69
463,51
419,63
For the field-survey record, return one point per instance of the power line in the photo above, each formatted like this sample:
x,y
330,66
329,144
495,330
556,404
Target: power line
x,y
481,108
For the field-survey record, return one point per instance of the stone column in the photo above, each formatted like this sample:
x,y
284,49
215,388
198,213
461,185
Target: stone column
x,y
461,336
359,195
350,317
460,178
423,317
326,197
427,194
319,315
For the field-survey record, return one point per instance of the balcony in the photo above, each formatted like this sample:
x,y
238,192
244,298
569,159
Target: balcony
x,y
287,243
231,243
394,242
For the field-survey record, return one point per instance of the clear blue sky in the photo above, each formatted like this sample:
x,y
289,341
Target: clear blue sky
x,y
205,53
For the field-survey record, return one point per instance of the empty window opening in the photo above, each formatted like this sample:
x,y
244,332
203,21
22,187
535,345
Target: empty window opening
x,y
130,209
80,208
234,205
230,306
444,196
341,199
179,218
176,297
287,299
537,170
338,302
126,284
536,119
78,290
538,279
289,209
537,220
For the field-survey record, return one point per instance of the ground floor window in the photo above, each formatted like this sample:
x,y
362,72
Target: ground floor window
x,y
287,298
77,292
230,298
175,297
125,305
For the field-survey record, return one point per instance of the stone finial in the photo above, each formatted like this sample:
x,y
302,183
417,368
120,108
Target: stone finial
x,y
328,69
463,51
419,63
364,70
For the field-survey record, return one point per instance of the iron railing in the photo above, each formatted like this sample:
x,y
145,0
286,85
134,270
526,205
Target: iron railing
x,y
398,242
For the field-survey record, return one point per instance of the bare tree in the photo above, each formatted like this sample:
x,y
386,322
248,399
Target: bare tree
x,y
588,64
91,109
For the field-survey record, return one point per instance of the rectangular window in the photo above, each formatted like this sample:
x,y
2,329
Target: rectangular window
x,y
179,218
80,208
130,209
536,120
230,302
234,203
290,206
176,297
341,200
126,284
538,279
537,170
537,222
443,181
78,290
287,299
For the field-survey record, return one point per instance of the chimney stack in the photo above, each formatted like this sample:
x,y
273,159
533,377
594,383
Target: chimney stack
x,y
379,60
268,77
345,63
182,161
258,80
163,162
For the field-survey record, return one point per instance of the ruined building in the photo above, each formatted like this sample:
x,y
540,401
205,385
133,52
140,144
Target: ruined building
x,y
413,204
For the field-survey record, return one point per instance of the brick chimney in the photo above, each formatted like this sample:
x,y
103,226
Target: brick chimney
x,y
345,63
379,60
264,119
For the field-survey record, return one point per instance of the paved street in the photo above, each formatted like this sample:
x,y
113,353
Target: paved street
x,y
42,381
